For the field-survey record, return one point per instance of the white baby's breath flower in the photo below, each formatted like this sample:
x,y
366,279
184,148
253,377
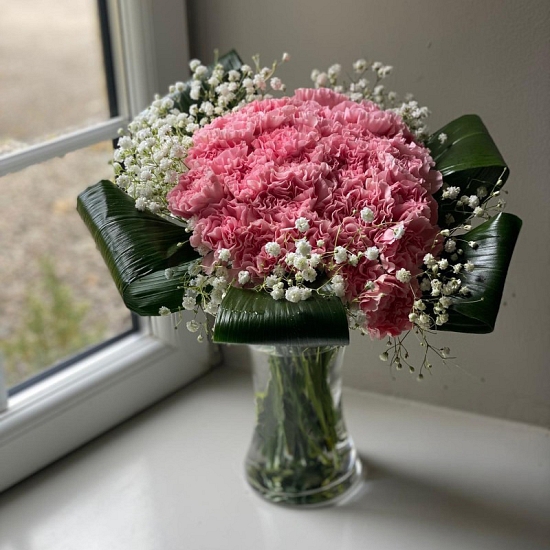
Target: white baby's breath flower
x,y
259,82
441,319
200,71
293,294
372,253
334,71
473,201
305,293
360,66
450,246
271,281
219,282
403,275
199,280
309,274
339,290
233,75
398,231
303,247
141,204
224,254
195,93
276,84
192,326
315,260
278,291
436,285
478,211
243,277
425,284
442,138
300,262
367,215
189,303
340,255
451,193
211,308
429,260
193,64
164,311
272,249
302,225
322,80
482,192
424,321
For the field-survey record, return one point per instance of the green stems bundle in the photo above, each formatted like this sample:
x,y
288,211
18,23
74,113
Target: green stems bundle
x,y
301,452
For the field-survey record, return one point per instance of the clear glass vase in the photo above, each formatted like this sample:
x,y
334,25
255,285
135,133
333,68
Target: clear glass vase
x,y
301,453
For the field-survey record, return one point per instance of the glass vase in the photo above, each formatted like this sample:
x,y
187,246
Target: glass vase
x,y
301,453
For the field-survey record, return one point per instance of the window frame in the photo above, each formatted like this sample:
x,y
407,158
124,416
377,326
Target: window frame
x,y
61,412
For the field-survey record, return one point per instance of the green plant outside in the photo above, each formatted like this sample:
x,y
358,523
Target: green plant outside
x,y
53,326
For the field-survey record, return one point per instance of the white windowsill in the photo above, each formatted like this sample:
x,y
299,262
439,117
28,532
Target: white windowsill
x,y
171,478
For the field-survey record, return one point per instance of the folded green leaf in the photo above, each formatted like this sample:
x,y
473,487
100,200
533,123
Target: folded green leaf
x,y
137,248
249,317
495,240
468,159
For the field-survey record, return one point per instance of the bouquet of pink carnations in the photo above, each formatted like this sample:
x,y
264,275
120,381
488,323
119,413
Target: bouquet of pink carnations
x,y
292,219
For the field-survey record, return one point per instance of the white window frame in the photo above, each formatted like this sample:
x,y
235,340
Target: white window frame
x,y
69,408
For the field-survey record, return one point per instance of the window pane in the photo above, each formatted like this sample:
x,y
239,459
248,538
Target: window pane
x,y
56,296
51,70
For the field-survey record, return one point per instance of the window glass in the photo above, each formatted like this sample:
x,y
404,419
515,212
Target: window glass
x,y
52,78
56,296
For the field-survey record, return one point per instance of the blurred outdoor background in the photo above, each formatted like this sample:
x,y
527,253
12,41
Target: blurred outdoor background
x,y
56,295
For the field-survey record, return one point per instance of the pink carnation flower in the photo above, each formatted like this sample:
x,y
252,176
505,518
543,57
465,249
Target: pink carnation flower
x,y
319,156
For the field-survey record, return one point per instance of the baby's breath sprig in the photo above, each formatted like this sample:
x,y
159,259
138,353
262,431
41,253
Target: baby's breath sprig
x,y
397,355
360,88
151,153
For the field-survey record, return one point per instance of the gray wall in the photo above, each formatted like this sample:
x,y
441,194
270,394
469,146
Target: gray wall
x,y
491,58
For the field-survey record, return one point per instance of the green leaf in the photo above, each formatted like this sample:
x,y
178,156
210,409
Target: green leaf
x,y
496,239
468,159
137,247
250,317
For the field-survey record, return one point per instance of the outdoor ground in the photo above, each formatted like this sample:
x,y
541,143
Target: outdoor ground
x,y
51,81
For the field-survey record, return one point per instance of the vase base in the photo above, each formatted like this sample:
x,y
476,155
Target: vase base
x,y
335,493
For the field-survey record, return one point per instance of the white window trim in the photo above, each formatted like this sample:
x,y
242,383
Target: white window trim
x,y
62,412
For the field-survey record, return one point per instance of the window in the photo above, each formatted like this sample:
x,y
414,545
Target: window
x,y
145,50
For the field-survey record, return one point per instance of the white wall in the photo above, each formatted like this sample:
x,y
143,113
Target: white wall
x,y
489,57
